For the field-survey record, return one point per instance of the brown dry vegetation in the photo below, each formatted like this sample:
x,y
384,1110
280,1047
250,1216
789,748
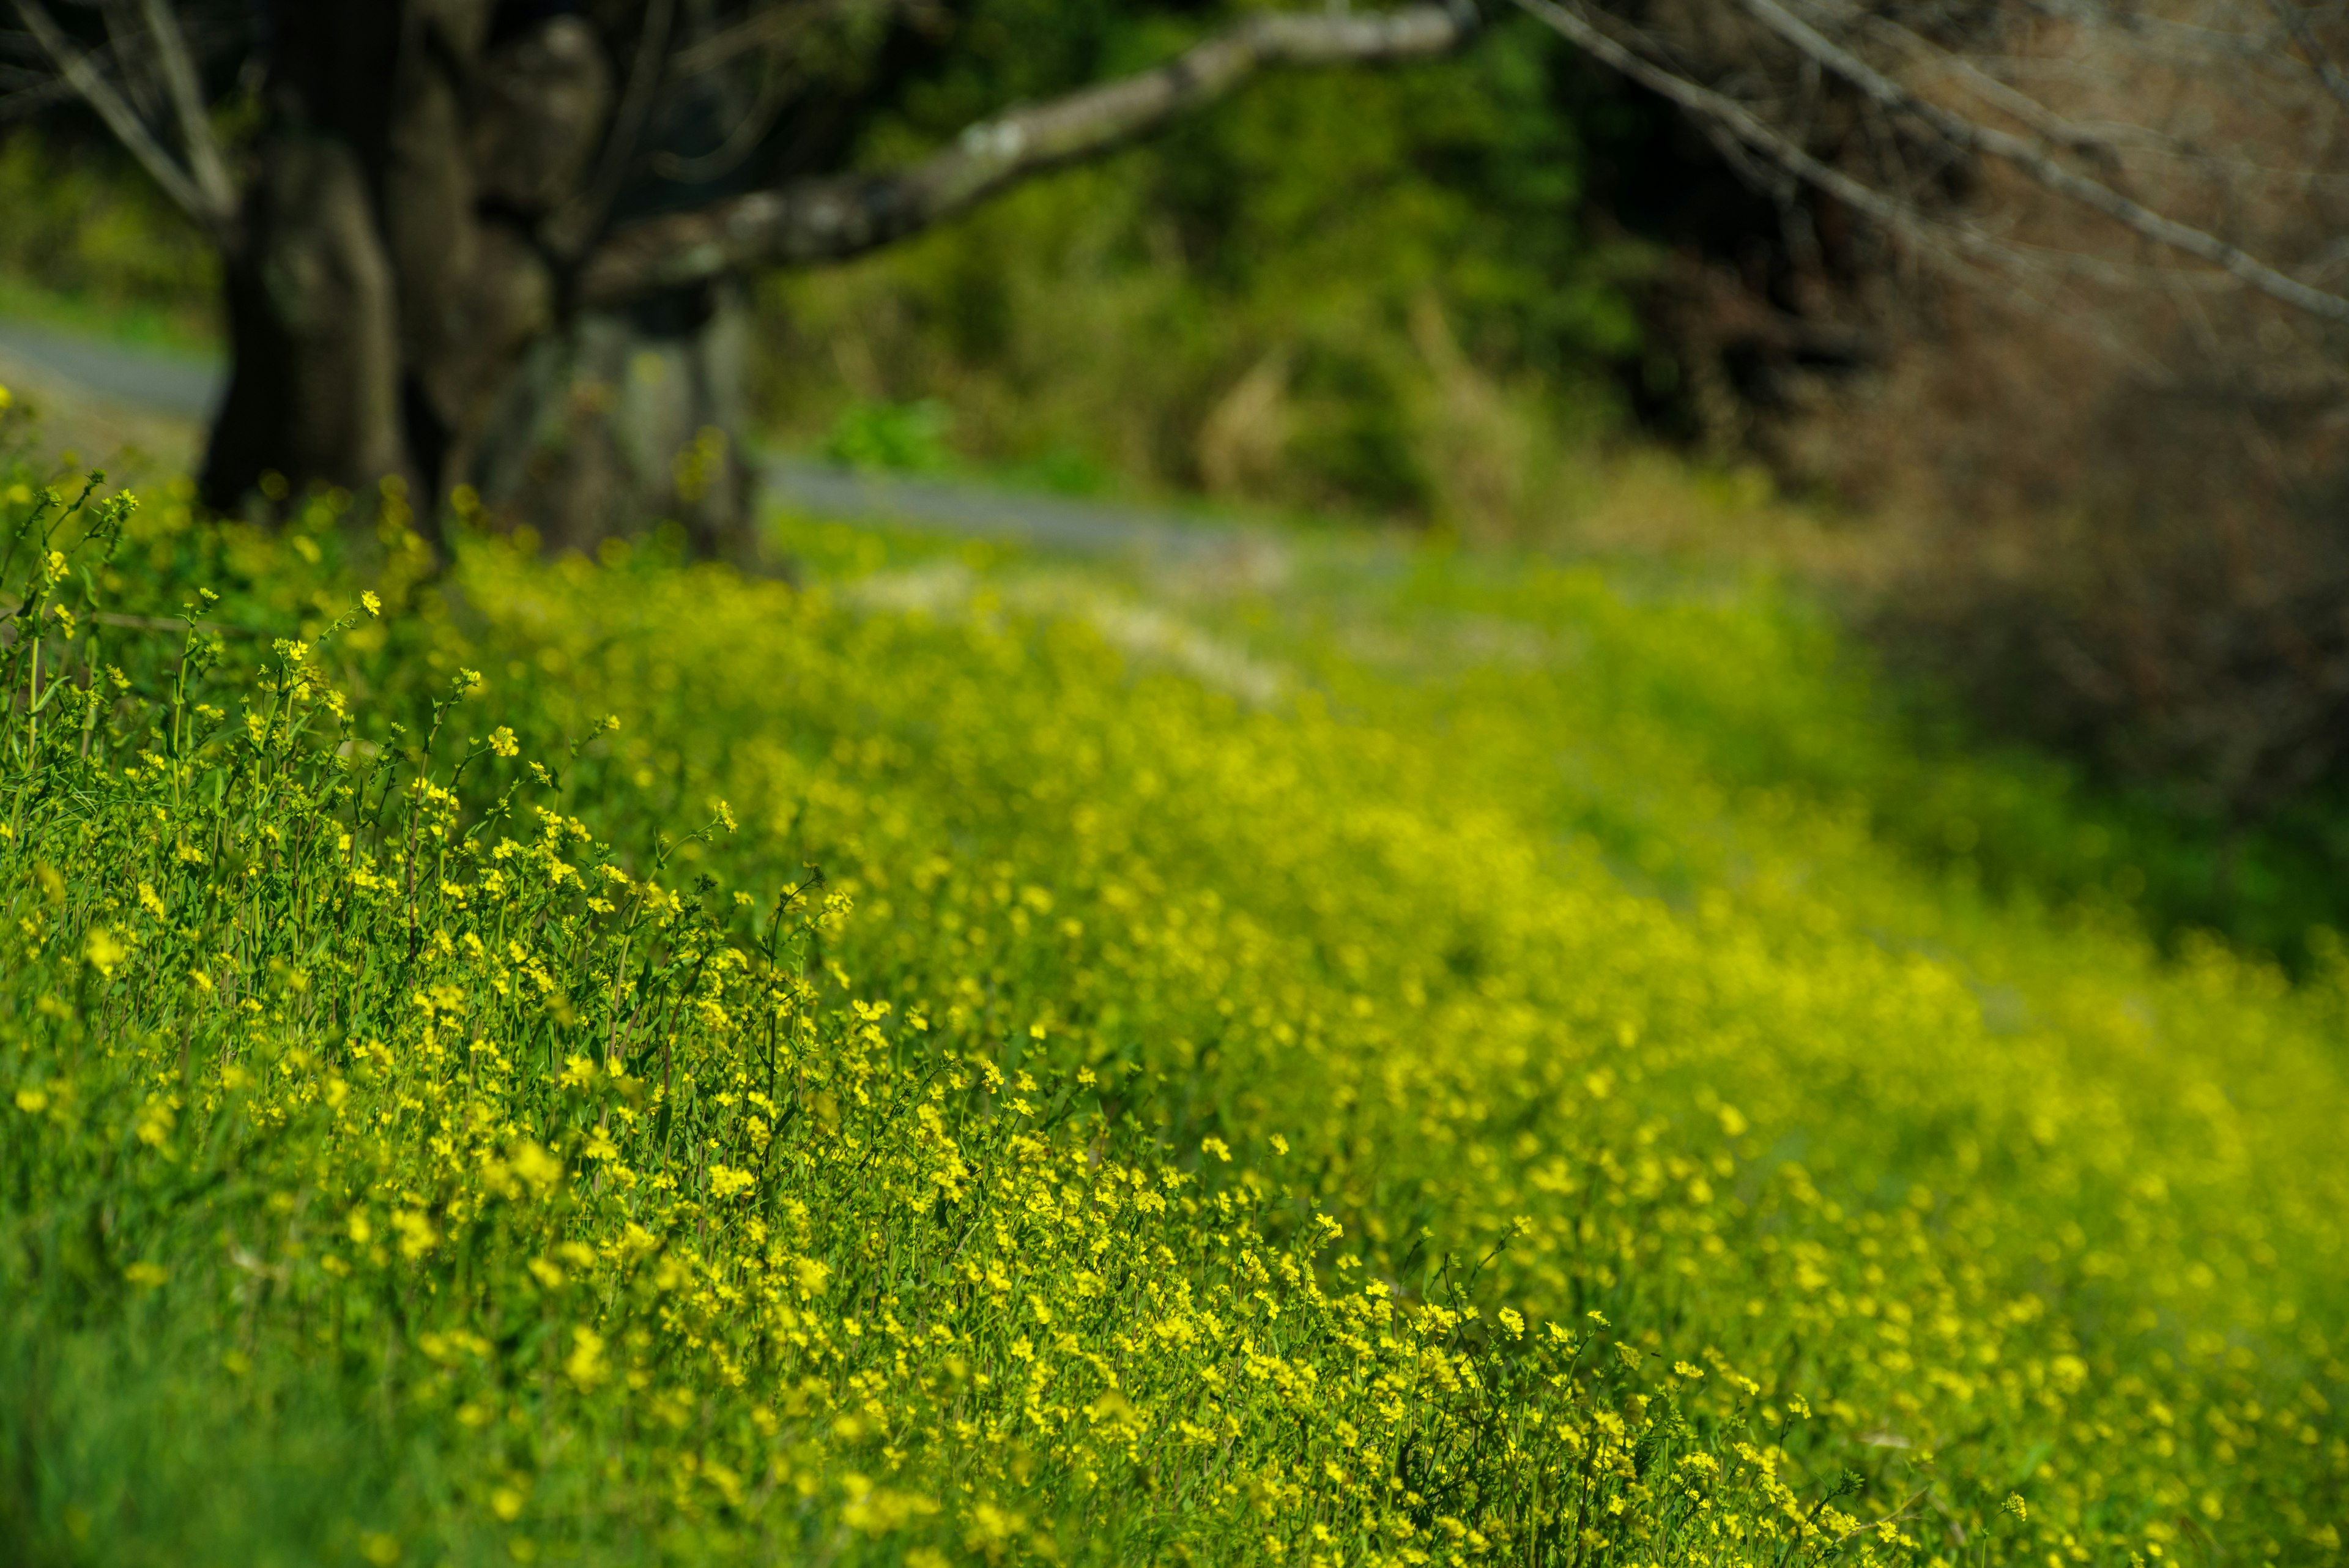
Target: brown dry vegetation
x,y
2106,487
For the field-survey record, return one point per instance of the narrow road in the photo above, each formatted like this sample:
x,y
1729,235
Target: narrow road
x,y
159,385
145,381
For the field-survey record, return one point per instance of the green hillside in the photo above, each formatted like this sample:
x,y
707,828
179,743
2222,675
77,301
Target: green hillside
x,y
1336,1053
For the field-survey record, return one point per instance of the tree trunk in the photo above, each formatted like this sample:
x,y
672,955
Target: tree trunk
x,y
618,419
422,288
314,331
398,312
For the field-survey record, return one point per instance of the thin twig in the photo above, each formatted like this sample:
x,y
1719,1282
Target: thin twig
x,y
1965,133
206,162
2020,105
834,219
140,623
1934,239
2319,60
574,229
86,79
1894,1517
1736,118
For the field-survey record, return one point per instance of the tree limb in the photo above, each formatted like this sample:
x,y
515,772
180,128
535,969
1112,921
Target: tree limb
x,y
832,219
85,78
1730,115
1937,241
2020,105
770,30
206,163
2319,60
1960,132
47,88
571,230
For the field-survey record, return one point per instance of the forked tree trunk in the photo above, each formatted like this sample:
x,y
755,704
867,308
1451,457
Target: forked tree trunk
x,y
617,418
425,286
398,312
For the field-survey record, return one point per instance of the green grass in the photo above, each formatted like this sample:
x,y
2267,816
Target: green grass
x,y
1399,1058
154,327
92,248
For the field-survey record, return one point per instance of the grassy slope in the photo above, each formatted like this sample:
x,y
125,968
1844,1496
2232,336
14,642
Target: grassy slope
x,y
1521,918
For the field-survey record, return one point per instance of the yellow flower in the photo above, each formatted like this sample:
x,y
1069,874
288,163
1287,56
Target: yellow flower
x,y
535,1166
371,604
32,1102
104,949
584,1364
416,1233
503,742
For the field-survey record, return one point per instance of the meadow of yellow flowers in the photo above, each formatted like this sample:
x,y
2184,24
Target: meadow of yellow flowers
x,y
956,1061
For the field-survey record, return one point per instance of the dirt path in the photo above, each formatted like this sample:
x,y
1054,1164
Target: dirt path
x,y
111,396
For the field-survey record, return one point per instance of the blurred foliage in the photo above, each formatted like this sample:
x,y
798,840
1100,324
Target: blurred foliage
x,y
91,243
901,438
1373,291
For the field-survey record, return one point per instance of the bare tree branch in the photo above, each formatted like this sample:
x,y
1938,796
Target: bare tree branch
x,y
776,34
774,29
206,162
2319,60
1731,116
572,230
1965,133
832,219
16,102
1937,241
78,69
2018,105
739,143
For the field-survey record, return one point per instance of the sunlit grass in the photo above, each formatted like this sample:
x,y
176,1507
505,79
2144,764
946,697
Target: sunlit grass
x,y
1388,1062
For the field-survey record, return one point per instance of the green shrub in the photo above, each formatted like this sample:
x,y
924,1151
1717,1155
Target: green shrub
x,y
89,239
902,437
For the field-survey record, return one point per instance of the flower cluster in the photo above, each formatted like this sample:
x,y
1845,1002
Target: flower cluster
x,y
1169,1126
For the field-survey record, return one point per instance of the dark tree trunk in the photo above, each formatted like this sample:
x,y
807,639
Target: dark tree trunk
x,y
399,311
426,287
314,331
617,417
